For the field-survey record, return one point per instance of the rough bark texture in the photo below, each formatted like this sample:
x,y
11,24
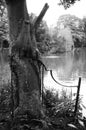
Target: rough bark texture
x,y
24,67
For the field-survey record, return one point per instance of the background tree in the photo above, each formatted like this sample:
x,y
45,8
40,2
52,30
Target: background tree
x,y
77,28
84,21
42,35
4,31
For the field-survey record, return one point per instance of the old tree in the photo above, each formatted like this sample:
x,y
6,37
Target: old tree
x,y
25,68
24,59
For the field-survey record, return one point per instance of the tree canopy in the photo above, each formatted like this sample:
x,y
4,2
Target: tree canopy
x,y
76,25
67,3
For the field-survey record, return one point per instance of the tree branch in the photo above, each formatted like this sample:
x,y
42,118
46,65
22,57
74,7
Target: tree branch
x,y
41,15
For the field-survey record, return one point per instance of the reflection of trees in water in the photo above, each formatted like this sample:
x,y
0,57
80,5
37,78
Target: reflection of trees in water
x,y
76,55
69,66
80,61
80,54
65,67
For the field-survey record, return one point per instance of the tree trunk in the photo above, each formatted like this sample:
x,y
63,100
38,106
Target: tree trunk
x,y
25,77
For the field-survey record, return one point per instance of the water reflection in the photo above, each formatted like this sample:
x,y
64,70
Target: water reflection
x,y
67,68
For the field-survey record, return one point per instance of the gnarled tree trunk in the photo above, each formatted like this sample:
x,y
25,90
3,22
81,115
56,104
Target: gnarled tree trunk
x,y
25,76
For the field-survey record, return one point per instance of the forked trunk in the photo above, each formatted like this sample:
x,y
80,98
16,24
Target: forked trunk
x,y
25,75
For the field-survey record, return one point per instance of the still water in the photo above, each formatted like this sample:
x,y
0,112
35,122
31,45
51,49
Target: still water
x,y
67,68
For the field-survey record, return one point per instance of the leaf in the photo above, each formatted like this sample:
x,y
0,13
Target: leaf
x,y
83,106
71,125
81,123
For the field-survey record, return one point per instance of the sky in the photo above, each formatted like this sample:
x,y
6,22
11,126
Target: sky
x,y
54,11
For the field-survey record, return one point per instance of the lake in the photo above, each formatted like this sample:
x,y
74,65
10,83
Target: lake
x,y
67,68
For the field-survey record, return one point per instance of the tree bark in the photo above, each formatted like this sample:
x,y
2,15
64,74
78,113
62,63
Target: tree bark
x,y
25,77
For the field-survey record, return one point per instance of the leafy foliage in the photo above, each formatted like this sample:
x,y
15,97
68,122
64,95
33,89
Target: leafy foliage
x,y
61,111
57,105
42,34
67,3
84,21
5,102
4,31
2,7
77,28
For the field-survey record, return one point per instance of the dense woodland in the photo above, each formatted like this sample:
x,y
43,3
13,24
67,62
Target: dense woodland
x,y
21,107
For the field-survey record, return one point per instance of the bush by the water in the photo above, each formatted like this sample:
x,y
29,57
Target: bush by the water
x,y
59,113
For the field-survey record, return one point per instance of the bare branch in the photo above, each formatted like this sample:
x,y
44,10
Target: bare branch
x,y
41,15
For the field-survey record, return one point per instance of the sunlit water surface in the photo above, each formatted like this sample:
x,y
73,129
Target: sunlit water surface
x,y
67,68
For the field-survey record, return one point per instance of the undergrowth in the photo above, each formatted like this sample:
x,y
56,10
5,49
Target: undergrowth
x,y
59,113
